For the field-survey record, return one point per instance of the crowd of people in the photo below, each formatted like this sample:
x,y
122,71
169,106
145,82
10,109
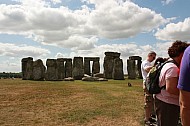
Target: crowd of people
x,y
173,102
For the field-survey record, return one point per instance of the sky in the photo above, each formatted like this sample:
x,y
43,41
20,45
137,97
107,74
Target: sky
x,y
45,29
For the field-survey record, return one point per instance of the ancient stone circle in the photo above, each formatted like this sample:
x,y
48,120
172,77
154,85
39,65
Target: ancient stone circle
x,y
78,68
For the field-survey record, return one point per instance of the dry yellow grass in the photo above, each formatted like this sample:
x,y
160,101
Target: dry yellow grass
x,y
63,103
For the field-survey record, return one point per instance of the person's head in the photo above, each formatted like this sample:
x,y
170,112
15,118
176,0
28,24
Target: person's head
x,y
160,60
151,56
177,49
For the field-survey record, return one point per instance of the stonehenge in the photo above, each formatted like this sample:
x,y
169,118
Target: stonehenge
x,y
134,67
38,70
75,69
59,69
27,68
95,65
78,68
113,66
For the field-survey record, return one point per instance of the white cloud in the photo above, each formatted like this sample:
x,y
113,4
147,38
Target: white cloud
x,y
162,48
11,55
10,66
109,19
12,50
178,31
56,1
165,2
123,20
34,3
60,55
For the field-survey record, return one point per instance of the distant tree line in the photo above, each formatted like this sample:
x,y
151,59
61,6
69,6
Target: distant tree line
x,y
10,75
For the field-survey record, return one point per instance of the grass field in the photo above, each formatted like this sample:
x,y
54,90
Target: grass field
x,y
77,103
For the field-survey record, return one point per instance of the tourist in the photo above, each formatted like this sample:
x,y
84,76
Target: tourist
x,y
184,86
160,60
167,102
149,101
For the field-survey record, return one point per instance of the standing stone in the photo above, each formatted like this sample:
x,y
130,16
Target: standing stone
x,y
86,65
96,67
78,68
108,67
139,62
27,68
109,63
60,68
118,69
38,70
131,69
68,68
51,73
137,66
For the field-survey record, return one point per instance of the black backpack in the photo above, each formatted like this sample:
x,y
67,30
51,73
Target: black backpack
x,y
152,79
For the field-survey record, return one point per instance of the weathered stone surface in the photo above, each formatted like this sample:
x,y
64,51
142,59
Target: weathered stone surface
x,y
102,79
51,73
96,67
118,69
108,67
113,54
135,58
92,58
109,64
60,68
68,68
131,69
93,79
27,68
69,79
137,68
87,66
38,70
90,78
100,75
78,69
86,75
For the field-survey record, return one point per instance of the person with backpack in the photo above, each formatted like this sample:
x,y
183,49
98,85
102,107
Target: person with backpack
x,y
149,106
184,88
167,101
152,78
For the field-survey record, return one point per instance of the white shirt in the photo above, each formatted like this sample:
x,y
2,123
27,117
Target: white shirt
x,y
144,65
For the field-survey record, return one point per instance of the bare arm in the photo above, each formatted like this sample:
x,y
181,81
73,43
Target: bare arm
x,y
171,85
147,69
185,107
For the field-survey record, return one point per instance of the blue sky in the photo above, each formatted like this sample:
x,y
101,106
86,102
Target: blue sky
x,y
67,28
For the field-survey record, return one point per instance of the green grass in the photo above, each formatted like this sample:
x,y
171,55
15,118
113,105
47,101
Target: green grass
x,y
24,102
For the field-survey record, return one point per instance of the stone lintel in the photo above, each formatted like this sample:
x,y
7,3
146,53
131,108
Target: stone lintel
x,y
50,62
26,59
135,58
64,59
113,54
91,58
